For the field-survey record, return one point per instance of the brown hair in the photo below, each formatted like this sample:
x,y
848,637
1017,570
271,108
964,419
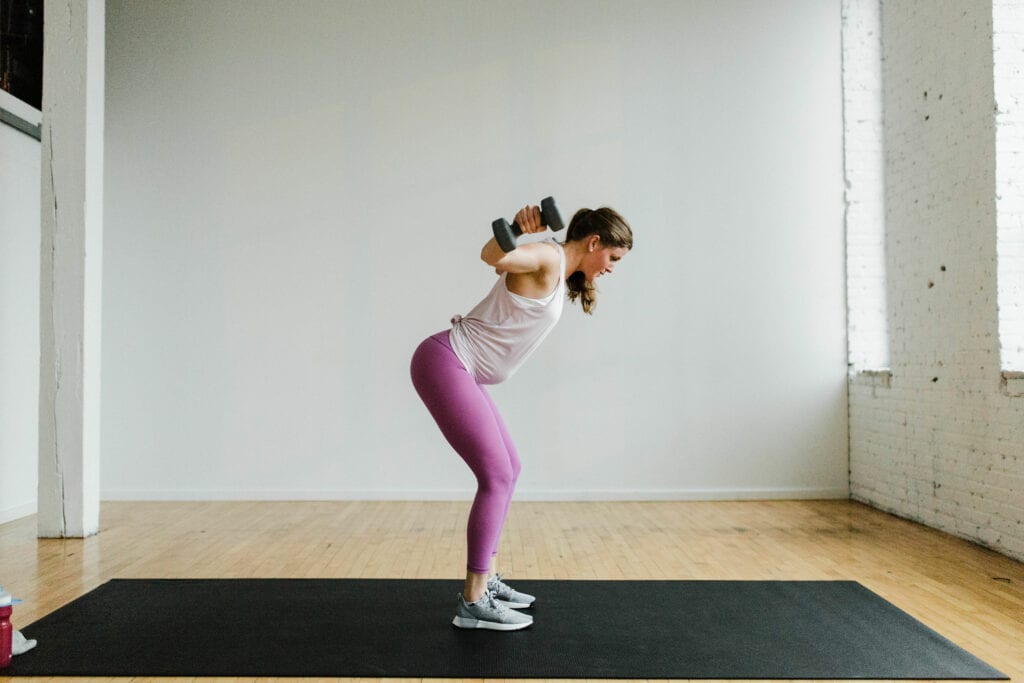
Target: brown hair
x,y
613,230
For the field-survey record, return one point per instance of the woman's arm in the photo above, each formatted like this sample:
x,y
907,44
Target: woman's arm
x,y
528,258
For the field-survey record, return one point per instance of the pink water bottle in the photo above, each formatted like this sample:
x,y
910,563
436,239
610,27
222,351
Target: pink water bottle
x,y
6,630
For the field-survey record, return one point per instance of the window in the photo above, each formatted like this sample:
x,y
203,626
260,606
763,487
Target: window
x,y
21,50
1008,74
865,187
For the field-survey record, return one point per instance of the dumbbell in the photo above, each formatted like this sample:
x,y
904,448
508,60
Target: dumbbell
x,y
506,234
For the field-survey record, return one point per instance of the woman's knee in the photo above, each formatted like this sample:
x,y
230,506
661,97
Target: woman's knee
x,y
499,477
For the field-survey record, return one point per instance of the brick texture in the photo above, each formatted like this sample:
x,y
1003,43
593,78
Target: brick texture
x,y
941,440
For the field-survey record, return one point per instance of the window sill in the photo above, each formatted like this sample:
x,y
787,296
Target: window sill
x,y
873,378
20,116
1012,383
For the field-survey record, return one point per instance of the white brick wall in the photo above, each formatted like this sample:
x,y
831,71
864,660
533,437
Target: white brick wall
x,y
941,441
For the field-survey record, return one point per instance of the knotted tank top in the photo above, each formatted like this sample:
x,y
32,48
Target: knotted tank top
x,y
495,338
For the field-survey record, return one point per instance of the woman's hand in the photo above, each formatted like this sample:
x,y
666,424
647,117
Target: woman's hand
x,y
522,259
528,220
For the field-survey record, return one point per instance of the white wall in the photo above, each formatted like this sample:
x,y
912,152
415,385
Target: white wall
x,y
297,194
942,440
19,314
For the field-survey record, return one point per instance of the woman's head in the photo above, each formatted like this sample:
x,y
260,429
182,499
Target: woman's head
x,y
601,237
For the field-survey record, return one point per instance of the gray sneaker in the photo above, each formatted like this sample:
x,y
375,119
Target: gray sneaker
x,y
506,595
488,613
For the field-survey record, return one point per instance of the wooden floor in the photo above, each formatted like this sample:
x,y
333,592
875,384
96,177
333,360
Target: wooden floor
x,y
972,596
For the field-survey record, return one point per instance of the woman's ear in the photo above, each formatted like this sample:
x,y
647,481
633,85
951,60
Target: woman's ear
x,y
594,240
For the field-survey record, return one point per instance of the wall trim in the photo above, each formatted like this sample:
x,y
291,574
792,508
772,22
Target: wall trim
x,y
11,514
466,494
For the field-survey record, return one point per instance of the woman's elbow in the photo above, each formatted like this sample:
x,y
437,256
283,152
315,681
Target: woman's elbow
x,y
491,253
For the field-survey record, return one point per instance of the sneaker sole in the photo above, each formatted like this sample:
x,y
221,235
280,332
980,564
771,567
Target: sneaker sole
x,y
467,622
514,605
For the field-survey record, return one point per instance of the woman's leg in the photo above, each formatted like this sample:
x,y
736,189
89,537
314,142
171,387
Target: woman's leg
x,y
465,416
514,462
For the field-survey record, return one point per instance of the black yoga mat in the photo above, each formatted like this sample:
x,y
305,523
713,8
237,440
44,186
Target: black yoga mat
x,y
582,629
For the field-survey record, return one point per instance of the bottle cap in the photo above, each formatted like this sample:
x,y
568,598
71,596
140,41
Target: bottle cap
x,y
5,600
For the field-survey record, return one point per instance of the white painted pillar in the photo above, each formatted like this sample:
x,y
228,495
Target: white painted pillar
x,y
71,268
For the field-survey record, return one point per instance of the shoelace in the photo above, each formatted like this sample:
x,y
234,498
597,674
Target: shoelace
x,y
495,605
496,584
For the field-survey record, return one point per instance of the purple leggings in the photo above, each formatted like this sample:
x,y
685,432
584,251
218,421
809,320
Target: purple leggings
x,y
470,421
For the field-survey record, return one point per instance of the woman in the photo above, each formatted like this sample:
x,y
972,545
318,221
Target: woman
x,y
450,369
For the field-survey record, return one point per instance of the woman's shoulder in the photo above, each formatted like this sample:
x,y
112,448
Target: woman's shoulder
x,y
544,272
536,259
548,253
553,252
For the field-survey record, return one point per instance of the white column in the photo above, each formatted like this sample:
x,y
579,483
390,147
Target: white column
x,y
71,268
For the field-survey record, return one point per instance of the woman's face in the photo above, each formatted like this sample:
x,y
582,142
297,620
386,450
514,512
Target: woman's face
x,y
601,261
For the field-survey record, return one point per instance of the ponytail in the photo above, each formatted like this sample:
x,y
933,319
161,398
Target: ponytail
x,y
577,287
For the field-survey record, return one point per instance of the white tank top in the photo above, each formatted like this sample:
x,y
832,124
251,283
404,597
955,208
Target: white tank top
x,y
501,332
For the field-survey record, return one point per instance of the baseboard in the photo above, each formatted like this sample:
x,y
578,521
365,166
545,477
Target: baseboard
x,y
11,514
466,494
